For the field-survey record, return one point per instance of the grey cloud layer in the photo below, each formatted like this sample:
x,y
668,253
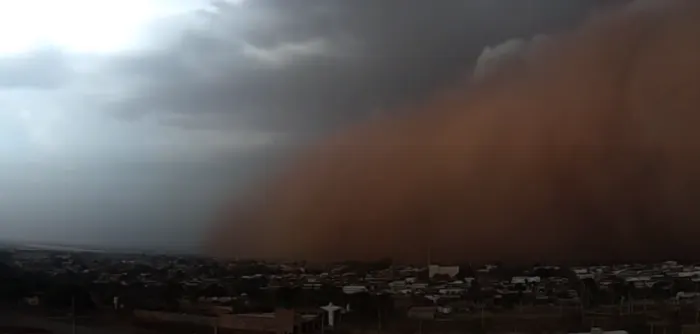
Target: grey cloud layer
x,y
41,69
297,65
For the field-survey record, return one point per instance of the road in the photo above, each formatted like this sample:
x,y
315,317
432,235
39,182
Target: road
x,y
59,327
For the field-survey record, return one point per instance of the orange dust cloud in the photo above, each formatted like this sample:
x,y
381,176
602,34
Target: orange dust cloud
x,y
587,149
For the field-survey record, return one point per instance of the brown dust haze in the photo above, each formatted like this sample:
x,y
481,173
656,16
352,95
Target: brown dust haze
x,y
588,150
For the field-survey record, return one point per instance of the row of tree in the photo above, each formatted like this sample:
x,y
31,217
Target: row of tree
x,y
59,292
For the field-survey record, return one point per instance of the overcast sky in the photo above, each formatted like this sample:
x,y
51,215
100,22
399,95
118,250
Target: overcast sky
x,y
124,122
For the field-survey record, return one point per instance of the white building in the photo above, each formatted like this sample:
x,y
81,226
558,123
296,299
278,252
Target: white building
x,y
450,271
350,289
525,280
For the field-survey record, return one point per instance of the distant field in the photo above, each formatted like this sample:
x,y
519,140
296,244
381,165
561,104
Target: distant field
x,y
48,246
58,248
32,245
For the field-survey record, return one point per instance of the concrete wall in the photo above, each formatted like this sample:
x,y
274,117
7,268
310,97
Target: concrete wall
x,y
157,316
282,321
250,323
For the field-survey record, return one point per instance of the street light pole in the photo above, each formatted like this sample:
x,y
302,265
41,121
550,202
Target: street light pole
x,y
72,306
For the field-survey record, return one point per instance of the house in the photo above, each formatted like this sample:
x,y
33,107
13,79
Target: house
x,y
351,289
525,280
452,291
422,312
397,285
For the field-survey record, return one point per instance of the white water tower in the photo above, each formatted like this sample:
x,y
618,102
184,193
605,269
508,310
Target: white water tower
x,y
331,309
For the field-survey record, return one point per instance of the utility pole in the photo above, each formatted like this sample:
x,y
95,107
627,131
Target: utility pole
x,y
429,258
379,317
72,307
483,324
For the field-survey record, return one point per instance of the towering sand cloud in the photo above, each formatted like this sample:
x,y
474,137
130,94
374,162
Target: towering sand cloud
x,y
588,147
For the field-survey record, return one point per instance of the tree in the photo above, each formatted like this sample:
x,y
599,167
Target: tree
x,y
172,293
330,294
381,264
474,292
661,290
64,296
214,290
5,257
621,290
466,270
287,297
590,292
441,278
682,285
12,288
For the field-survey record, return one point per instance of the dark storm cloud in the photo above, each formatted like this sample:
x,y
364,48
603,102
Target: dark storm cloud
x,y
307,64
44,68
